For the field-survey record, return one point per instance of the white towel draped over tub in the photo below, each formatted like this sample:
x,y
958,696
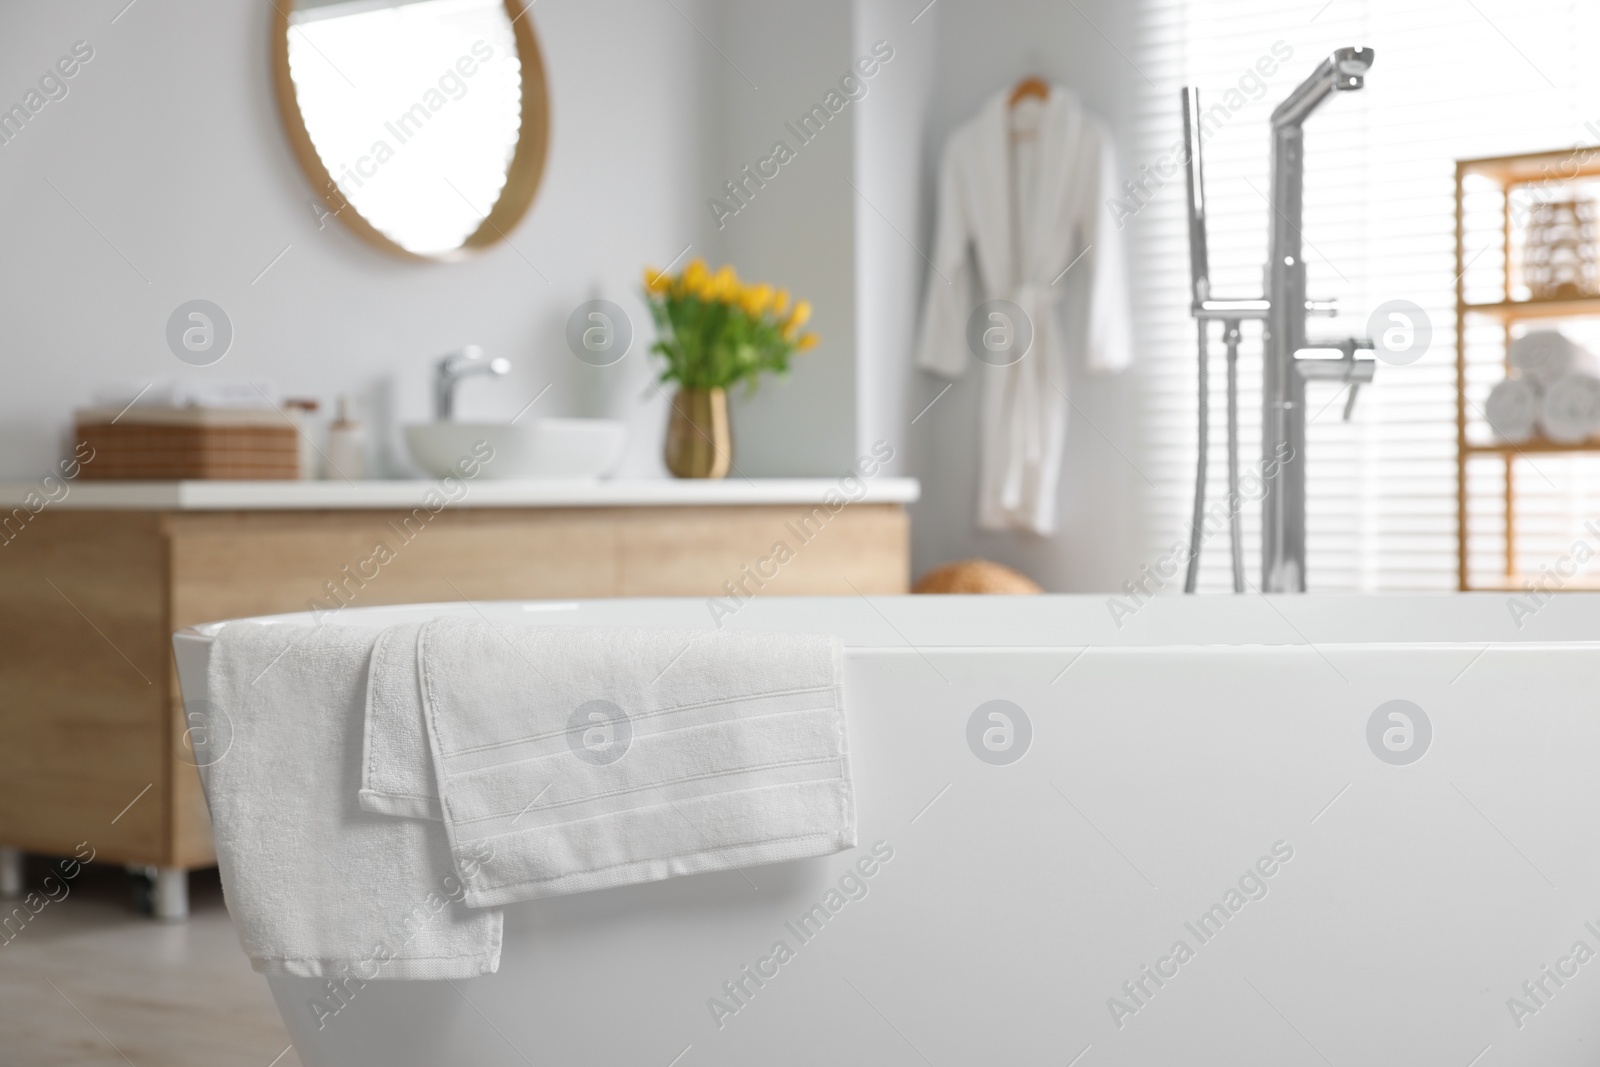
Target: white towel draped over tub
x,y
468,765
1028,208
570,759
316,886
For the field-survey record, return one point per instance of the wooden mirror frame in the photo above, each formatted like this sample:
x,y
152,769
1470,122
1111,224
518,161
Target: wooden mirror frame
x,y
522,176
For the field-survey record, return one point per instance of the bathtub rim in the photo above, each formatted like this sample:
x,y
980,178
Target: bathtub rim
x,y
906,623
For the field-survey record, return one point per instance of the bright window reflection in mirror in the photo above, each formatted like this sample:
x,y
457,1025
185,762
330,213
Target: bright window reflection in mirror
x,y
415,110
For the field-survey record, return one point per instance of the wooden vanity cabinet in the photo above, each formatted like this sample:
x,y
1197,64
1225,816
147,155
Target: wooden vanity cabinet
x,y
89,703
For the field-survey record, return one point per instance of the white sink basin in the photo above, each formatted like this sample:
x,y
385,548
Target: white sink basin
x,y
554,449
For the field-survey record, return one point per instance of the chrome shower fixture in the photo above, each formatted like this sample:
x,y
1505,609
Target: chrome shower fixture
x,y
1289,360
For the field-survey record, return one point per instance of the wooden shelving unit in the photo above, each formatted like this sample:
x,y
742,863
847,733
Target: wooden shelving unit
x,y
1508,173
1524,310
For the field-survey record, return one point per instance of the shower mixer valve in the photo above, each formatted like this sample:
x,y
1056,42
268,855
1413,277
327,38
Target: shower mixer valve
x,y
1347,368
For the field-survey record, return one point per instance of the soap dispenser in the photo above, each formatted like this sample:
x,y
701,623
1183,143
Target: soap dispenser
x,y
347,446
302,413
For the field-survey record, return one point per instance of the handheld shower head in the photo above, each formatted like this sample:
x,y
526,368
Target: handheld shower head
x,y
1194,184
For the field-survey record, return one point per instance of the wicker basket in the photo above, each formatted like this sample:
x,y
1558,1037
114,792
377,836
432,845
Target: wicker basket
x,y
1559,256
177,444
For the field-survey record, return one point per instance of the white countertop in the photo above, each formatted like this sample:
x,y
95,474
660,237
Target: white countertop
x,y
483,493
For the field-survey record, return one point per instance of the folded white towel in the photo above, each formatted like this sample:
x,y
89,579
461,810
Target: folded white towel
x,y
1571,408
316,886
571,759
396,767
1545,355
1513,410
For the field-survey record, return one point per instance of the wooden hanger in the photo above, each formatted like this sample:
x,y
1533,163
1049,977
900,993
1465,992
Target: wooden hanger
x,y
1037,88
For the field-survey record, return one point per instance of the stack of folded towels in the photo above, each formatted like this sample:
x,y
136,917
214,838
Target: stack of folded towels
x,y
1553,387
387,790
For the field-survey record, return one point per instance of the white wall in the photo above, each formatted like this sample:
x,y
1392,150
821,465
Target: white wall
x,y
795,232
888,178
164,176
170,147
964,51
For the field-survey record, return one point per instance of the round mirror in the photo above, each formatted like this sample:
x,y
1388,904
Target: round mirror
x,y
422,123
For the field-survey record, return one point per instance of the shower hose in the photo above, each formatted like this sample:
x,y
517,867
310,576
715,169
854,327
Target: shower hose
x,y
1230,334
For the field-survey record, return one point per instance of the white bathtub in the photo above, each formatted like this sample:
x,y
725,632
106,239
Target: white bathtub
x,y
1204,739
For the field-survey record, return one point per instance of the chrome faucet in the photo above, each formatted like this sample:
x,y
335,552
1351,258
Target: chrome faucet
x,y
1283,402
456,366
1290,361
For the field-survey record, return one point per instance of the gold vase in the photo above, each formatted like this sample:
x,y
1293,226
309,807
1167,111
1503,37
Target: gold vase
x,y
698,442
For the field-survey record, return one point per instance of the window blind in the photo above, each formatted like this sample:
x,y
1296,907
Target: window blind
x,y
1451,79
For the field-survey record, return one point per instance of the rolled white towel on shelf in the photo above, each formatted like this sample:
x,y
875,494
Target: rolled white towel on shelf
x,y
1545,355
1513,410
1570,411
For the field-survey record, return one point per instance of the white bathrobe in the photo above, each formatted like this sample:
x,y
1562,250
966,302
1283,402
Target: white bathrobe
x,y
1028,208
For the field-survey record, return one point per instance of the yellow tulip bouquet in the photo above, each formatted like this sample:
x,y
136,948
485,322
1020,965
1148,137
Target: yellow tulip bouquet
x,y
715,331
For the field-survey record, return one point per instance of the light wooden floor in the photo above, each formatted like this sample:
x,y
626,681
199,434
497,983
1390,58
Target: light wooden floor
x,y
127,989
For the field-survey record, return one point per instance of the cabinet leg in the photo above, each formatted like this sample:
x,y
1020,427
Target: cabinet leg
x,y
171,899
10,872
